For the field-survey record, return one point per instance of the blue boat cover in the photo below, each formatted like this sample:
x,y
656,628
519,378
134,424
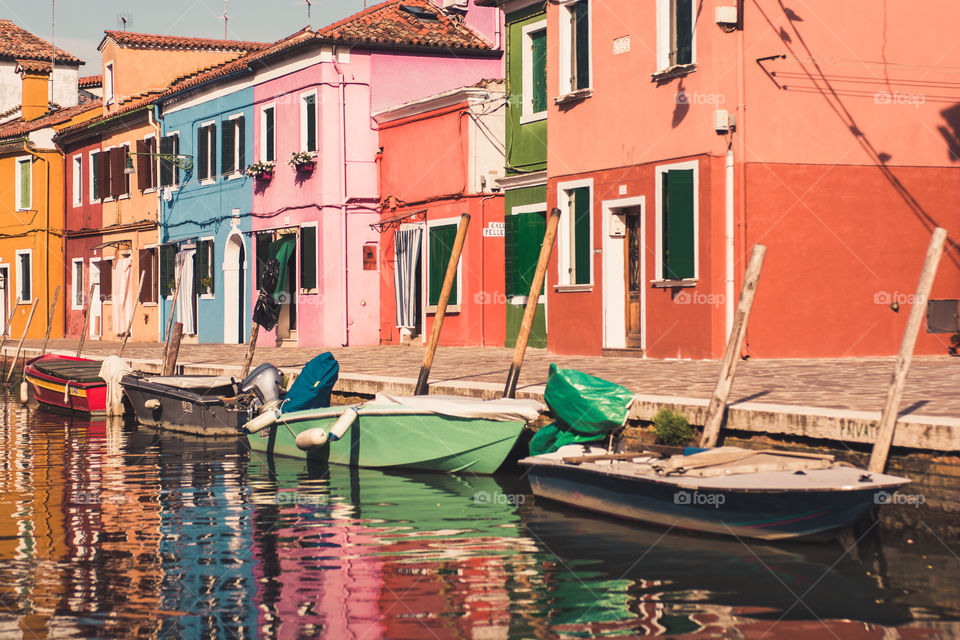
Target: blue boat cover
x,y
312,388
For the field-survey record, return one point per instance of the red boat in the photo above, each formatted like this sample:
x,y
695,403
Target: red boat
x,y
69,383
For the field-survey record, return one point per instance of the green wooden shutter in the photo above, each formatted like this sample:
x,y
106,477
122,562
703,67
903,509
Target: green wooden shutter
x,y
308,257
227,147
241,134
167,270
511,246
197,274
582,257
677,224
538,42
684,31
166,168
264,241
440,248
530,238
311,116
212,129
582,44
203,154
24,185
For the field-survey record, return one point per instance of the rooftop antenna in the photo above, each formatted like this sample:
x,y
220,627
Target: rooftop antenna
x,y
225,19
124,20
308,12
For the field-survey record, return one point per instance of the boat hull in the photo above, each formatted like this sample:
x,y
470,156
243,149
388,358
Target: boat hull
x,y
397,439
49,375
744,513
182,410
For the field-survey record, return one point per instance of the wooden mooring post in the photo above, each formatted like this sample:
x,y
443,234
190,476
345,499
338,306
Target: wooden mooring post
x,y
7,330
251,348
888,418
33,309
520,349
133,313
86,320
53,307
717,408
423,381
173,308
170,357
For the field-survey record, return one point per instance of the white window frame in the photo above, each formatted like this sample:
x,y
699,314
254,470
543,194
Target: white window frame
x,y
109,197
17,176
316,250
432,308
566,35
303,120
526,111
175,174
90,180
29,254
212,171
154,162
658,216
76,166
664,32
77,286
237,132
108,83
263,131
565,237
538,207
213,268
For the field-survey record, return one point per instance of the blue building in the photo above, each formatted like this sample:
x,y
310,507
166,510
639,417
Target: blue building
x,y
205,219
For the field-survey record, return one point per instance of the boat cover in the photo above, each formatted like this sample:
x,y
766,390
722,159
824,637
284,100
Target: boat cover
x,y
111,370
312,388
726,461
501,409
191,382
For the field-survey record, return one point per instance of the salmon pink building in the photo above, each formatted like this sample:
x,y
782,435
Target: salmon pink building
x,y
440,158
683,133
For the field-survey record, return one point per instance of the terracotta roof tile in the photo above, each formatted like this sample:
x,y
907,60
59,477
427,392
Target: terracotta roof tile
x,y
18,129
157,41
88,82
396,23
34,66
18,43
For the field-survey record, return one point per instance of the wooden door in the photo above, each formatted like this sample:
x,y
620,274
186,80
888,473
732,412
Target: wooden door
x,y
634,254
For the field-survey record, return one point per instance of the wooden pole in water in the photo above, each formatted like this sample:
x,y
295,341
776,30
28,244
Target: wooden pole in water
x,y
888,418
422,387
173,308
33,308
718,403
8,330
53,307
86,320
133,313
553,221
170,359
251,347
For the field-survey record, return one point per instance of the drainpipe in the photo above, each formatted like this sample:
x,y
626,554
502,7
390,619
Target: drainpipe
x,y
729,228
343,198
153,119
483,272
742,139
46,226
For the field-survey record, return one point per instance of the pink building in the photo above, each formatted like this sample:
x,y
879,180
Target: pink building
x,y
317,101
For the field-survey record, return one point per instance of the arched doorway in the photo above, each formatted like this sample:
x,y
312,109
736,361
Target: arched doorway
x,y
234,258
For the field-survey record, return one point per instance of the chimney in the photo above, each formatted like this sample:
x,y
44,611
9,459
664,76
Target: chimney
x,y
34,101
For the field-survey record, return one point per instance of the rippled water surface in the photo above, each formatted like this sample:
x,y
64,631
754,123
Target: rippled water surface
x,y
109,530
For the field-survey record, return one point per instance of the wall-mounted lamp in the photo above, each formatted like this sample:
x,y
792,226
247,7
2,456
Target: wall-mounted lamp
x,y
181,161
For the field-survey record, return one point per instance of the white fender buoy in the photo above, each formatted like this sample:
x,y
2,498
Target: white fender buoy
x,y
152,403
311,439
24,395
344,422
262,421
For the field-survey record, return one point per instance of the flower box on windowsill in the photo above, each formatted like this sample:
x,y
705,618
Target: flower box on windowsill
x,y
306,167
266,176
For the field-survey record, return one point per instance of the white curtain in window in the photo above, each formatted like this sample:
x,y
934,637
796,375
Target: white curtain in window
x,y
407,253
186,297
122,298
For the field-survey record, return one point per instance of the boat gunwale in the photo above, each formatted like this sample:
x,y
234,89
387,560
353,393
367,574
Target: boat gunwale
x,y
42,375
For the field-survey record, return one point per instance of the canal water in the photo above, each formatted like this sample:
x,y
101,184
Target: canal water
x,y
110,530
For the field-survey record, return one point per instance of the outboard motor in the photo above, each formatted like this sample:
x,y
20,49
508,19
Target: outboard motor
x,y
266,382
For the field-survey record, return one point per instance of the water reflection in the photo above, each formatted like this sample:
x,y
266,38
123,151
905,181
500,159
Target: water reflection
x,y
108,530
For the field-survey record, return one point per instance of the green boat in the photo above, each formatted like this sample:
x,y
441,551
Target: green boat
x,y
430,433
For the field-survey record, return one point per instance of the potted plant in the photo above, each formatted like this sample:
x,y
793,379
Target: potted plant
x,y
206,285
261,170
303,160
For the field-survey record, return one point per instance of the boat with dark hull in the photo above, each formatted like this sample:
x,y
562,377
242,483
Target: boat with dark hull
x,y
67,383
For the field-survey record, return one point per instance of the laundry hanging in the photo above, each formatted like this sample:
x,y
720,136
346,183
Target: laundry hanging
x,y
406,250
122,298
187,295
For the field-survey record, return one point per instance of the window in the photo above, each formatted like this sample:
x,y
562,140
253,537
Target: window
x,y
108,83
267,142
523,236
169,172
106,279
206,151
440,239
146,163
119,182
25,275
203,268
534,68
148,267
24,182
308,259
675,33
574,235
677,221
94,176
574,46
308,122
168,269
232,147
76,282
77,184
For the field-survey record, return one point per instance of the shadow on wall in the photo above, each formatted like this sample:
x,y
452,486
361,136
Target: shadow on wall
x,y
952,134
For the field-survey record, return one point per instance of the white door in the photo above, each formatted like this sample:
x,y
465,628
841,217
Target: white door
x,y
96,304
233,290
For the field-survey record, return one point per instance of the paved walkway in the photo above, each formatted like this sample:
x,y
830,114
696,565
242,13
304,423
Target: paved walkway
x,y
933,387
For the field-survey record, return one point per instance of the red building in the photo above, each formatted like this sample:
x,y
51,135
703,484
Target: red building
x,y
440,157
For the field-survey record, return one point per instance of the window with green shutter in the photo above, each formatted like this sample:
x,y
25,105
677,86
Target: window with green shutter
x,y
677,225
203,273
681,32
581,45
523,235
538,70
24,184
439,248
168,276
581,254
308,259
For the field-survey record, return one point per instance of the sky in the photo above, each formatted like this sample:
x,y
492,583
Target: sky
x,y
79,24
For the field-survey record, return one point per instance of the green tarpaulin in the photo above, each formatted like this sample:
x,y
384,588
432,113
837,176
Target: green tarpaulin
x,y
282,249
